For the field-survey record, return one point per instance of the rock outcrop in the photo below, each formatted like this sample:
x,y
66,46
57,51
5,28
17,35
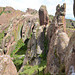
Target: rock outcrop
x,y
70,56
18,25
7,67
43,15
35,47
58,41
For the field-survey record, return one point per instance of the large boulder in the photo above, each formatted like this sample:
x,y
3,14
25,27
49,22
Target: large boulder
x,y
6,66
43,15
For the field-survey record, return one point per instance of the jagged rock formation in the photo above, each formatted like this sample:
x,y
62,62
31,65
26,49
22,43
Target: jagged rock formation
x,y
35,47
17,25
7,67
60,14
43,15
58,41
25,26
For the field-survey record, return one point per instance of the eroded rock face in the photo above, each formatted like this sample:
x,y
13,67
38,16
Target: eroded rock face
x,y
35,47
70,56
6,66
36,44
17,27
43,15
58,42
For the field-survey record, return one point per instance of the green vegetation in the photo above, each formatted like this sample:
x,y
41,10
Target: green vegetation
x,y
18,46
29,70
18,54
4,11
1,36
69,23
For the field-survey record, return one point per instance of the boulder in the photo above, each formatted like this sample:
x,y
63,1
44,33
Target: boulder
x,y
6,66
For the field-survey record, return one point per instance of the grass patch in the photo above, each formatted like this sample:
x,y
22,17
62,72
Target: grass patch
x,y
18,46
30,70
19,53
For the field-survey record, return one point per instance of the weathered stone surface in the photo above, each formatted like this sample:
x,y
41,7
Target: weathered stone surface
x,y
58,43
70,56
43,15
35,47
19,28
36,43
6,66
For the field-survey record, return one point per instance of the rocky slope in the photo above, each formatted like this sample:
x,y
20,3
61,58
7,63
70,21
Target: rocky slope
x,y
34,43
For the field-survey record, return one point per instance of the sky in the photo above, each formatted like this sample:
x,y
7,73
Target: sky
x,y
35,4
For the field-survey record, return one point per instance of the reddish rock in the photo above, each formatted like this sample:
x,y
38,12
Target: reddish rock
x,y
6,66
43,15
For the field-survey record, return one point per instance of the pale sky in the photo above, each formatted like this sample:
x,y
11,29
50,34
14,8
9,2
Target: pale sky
x,y
35,4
